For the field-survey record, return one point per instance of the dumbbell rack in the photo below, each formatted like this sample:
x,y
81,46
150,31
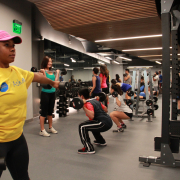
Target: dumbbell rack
x,y
62,104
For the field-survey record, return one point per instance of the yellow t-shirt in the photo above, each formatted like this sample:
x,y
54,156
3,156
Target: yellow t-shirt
x,y
14,83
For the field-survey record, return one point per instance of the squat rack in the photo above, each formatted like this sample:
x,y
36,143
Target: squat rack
x,y
168,143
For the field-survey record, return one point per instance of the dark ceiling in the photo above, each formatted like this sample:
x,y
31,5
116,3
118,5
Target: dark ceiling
x,y
96,20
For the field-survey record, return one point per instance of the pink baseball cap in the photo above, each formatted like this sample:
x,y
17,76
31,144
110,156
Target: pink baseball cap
x,y
4,36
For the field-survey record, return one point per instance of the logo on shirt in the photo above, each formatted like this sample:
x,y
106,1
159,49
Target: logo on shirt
x,y
3,87
18,83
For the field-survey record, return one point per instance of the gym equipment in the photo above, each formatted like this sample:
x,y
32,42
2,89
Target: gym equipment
x,y
115,94
63,71
168,143
155,99
77,103
149,102
64,86
155,107
150,112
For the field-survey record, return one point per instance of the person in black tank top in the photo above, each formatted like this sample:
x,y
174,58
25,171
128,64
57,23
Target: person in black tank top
x,y
99,121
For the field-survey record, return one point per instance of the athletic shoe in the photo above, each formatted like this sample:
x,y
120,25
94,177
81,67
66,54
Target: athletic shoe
x,y
123,126
119,130
44,133
100,144
52,130
85,151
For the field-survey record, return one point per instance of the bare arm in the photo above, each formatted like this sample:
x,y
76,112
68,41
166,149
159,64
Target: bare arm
x,y
126,78
105,109
89,113
94,84
38,77
118,102
57,75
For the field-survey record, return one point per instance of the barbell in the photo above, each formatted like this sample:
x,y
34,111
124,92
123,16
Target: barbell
x,y
77,103
63,71
62,86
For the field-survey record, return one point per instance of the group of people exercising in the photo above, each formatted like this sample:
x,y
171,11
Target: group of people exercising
x,y
14,83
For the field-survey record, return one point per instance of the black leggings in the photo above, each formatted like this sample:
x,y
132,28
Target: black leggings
x,y
95,127
47,103
105,90
17,157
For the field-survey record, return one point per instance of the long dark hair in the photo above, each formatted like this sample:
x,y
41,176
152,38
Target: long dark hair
x,y
44,62
72,77
104,70
117,77
117,88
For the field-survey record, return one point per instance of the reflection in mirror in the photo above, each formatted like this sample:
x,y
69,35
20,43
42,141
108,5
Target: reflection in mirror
x,y
77,64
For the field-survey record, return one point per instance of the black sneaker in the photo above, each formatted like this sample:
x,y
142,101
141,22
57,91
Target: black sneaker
x,y
100,144
123,126
119,130
178,111
85,151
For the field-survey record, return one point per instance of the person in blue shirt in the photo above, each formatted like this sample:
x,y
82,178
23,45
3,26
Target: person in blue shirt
x,y
160,79
61,78
125,87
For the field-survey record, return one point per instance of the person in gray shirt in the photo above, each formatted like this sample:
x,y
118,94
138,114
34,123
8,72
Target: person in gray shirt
x,y
127,77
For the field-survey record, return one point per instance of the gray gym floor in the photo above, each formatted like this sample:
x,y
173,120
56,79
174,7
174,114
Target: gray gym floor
x,y
56,157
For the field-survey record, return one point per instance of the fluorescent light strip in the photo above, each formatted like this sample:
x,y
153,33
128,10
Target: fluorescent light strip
x,y
130,67
100,62
66,64
158,62
155,55
144,49
69,69
126,38
116,62
108,58
126,58
88,67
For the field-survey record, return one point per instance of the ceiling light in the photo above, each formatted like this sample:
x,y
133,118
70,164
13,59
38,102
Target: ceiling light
x,y
100,62
69,69
144,49
108,58
126,58
66,64
158,62
170,67
73,60
116,62
126,38
155,55
88,67
130,67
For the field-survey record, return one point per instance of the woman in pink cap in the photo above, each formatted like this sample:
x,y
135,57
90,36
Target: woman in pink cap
x,y
14,83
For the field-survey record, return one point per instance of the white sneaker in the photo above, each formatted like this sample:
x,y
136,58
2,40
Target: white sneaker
x,y
44,133
52,130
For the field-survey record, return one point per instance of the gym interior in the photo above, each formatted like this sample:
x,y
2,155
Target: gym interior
x,y
79,36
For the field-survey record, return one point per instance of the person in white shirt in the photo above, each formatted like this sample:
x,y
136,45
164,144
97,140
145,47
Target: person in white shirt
x,y
155,82
122,110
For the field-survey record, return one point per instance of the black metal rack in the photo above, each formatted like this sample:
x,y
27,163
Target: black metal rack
x,y
168,143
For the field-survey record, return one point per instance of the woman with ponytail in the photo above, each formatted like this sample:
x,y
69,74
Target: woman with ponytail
x,y
122,111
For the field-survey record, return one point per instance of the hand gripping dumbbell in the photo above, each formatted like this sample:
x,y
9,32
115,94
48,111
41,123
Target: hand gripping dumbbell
x,y
77,103
63,71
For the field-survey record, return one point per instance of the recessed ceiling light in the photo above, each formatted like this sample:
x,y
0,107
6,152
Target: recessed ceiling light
x,y
100,62
88,67
130,67
108,58
69,69
155,55
66,64
126,38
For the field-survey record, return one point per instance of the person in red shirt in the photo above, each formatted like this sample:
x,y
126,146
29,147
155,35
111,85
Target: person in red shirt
x,y
104,73
99,121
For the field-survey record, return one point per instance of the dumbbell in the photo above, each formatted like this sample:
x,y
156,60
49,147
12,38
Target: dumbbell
x,y
155,107
150,112
130,93
149,102
63,71
64,86
77,103
129,102
155,99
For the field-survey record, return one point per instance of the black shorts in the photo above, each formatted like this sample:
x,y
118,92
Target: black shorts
x,y
17,157
128,114
47,103
93,95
